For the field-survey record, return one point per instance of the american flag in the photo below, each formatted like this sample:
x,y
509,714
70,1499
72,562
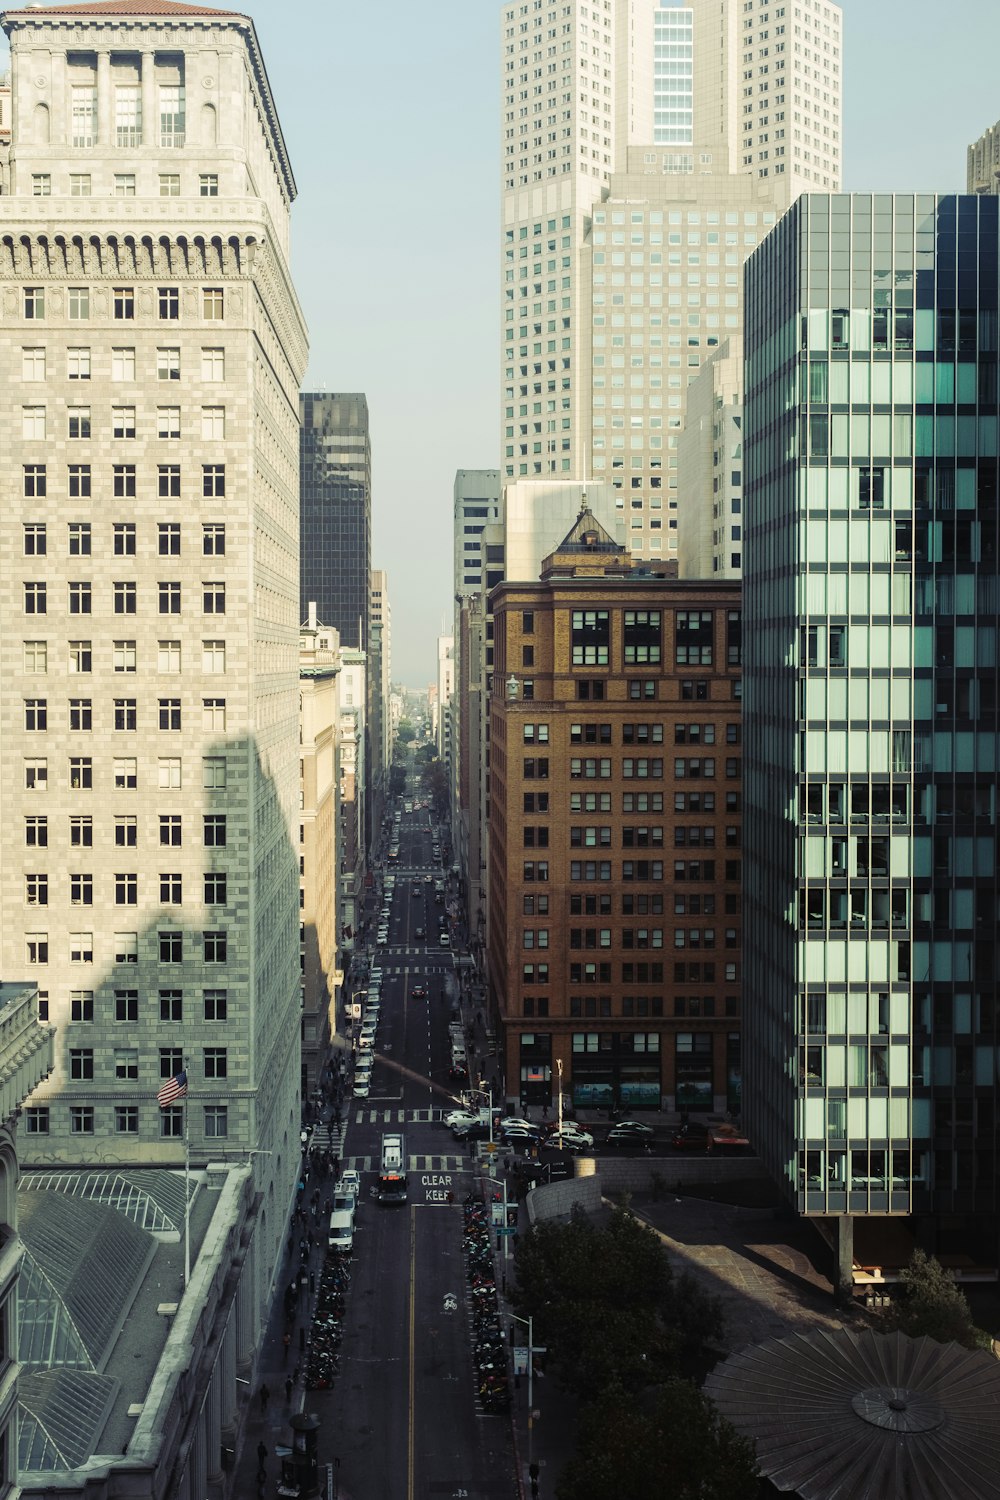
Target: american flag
x,y
174,1088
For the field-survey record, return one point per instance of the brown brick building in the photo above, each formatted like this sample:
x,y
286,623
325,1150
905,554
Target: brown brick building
x,y
615,831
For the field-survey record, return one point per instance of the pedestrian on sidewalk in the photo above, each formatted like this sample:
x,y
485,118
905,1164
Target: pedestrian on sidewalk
x,y
289,1388
286,1340
265,1396
261,1458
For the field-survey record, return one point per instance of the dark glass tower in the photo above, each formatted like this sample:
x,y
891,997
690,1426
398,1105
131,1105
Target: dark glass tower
x,y
871,602
336,512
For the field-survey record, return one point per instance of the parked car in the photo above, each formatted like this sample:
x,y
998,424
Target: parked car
x,y
444,940
362,1083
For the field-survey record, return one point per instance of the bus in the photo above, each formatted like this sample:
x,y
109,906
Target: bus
x,y
392,1169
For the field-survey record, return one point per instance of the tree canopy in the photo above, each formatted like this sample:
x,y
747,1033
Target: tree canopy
x,y
607,1305
675,1444
931,1305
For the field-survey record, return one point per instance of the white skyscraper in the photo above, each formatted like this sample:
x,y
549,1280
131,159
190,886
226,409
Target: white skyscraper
x,y
647,150
151,346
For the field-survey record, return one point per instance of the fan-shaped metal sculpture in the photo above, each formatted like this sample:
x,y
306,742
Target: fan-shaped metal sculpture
x,y
867,1416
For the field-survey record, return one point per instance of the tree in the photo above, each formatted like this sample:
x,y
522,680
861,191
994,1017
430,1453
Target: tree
x,y
405,733
675,1445
607,1306
932,1306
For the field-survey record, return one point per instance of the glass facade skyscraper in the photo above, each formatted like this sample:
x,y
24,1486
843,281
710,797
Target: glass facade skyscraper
x,y
336,513
871,599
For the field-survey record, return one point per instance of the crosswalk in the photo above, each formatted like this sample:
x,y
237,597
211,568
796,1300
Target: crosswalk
x,y
429,1164
370,1116
436,968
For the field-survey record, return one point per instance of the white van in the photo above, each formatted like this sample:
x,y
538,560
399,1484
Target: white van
x,y
340,1234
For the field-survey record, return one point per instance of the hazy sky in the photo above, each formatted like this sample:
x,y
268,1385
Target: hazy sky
x,y
391,115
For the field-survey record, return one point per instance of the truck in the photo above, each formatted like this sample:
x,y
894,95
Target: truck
x,y
392,1169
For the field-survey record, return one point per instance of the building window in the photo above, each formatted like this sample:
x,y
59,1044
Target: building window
x,y
213,539
213,423
171,947
126,889
36,890
170,185
171,115
123,534
168,539
169,597
78,421
168,656
215,830
169,303
36,947
124,596
170,830
81,1119
168,421
208,184
78,303
35,599
213,366
128,117
126,831
213,480
36,1120
212,303
34,484
123,481
168,481
213,657
123,365
83,114
172,1122
127,1119
124,184
216,1064
214,598
81,1063
172,1005
215,888
214,947
693,637
81,714
590,637
81,773
168,364
36,714
169,713
126,1063
126,1006
216,1121
216,1005
125,713
171,888
32,422
81,890
125,774
123,302
168,773
213,773
79,184
213,715
36,775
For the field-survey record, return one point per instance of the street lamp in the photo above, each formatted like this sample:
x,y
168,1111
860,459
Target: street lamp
x,y
533,1349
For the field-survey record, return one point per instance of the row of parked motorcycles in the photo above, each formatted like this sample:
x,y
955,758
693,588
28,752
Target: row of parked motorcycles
x,y
323,1360
489,1343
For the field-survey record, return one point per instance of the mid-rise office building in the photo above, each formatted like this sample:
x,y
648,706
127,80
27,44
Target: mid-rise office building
x,y
319,719
352,831
614,861
710,469
982,163
476,504
871,586
152,348
647,150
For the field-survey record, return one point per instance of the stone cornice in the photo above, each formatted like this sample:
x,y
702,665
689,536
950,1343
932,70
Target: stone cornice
x,y
76,32
60,253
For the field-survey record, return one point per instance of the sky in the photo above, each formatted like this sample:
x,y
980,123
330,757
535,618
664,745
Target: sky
x,y
390,112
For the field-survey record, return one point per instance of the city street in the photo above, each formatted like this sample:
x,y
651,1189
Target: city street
x,y
403,1418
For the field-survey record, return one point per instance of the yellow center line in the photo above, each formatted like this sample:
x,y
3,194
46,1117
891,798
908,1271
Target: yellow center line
x,y
412,1425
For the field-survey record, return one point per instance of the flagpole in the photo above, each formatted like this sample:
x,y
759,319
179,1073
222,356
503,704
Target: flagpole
x,y
187,1197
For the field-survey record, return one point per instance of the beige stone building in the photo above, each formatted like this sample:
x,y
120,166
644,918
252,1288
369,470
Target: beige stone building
x,y
319,665
710,469
152,347
646,152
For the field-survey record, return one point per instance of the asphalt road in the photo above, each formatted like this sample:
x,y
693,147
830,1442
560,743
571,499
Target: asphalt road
x,y
403,1419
